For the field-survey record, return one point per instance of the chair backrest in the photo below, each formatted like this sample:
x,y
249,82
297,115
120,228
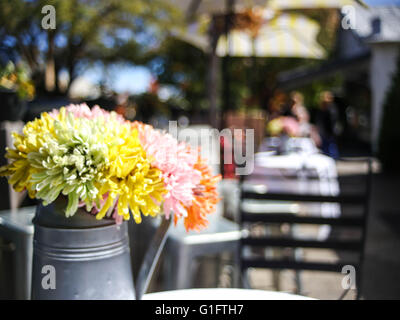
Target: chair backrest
x,y
347,197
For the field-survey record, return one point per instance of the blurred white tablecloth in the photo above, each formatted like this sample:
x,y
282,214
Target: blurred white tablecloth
x,y
222,294
323,165
294,173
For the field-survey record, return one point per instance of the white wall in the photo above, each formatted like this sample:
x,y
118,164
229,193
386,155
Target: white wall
x,y
383,64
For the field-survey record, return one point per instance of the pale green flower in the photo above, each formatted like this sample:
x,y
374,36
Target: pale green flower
x,y
71,162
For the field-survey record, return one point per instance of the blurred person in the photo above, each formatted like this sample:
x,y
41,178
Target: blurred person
x,y
326,122
276,105
300,112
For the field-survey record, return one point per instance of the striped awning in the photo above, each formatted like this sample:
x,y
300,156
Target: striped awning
x,y
192,8
286,35
197,7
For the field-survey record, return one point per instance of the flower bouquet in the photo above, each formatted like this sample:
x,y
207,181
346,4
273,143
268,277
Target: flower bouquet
x,y
101,161
106,168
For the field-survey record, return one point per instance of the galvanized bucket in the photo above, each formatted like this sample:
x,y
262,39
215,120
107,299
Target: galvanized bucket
x,y
84,258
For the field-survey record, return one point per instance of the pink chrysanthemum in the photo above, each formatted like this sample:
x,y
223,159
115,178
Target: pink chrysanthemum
x,y
176,162
83,111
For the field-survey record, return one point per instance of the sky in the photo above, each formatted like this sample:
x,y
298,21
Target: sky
x,y
381,2
122,78
132,79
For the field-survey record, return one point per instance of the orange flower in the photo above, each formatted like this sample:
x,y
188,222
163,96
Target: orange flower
x,y
205,198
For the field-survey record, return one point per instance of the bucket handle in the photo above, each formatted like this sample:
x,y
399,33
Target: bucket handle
x,y
151,257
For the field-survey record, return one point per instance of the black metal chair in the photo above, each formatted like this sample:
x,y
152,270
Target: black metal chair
x,y
346,198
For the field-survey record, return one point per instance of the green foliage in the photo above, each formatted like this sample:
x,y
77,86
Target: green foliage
x,y
17,78
389,138
86,31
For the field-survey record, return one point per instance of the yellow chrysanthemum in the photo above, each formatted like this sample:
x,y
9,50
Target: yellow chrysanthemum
x,y
131,179
19,169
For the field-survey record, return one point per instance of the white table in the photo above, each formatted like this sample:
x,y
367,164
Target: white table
x,y
222,294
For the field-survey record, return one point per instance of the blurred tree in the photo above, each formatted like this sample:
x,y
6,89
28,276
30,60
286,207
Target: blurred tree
x,y
86,31
181,67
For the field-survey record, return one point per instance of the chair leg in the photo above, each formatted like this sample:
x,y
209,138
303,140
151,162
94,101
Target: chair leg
x,y
276,253
299,288
245,279
298,255
218,263
276,274
237,273
358,284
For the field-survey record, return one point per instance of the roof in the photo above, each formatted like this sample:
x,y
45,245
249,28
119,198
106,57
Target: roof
x,y
301,76
378,24
372,25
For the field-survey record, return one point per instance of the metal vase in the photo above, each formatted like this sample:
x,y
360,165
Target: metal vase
x,y
79,257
